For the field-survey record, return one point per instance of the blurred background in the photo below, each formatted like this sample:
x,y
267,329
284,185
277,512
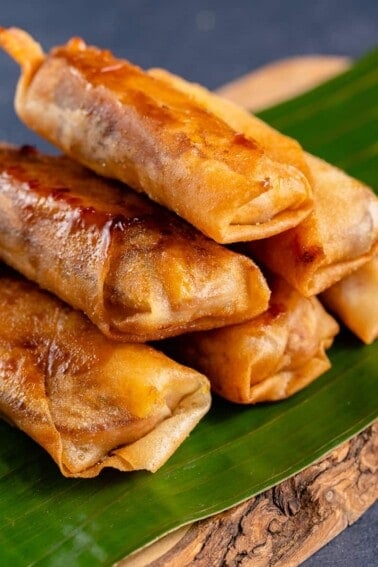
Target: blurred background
x,y
212,42
209,41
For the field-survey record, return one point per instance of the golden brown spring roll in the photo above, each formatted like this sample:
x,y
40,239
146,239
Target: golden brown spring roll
x,y
268,358
126,124
339,236
90,402
342,231
282,148
138,271
354,300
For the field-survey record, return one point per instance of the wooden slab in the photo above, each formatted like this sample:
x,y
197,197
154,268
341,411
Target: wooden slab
x,y
284,525
288,523
281,80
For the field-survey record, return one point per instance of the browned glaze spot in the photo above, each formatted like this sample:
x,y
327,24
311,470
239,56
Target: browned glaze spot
x,y
309,255
304,254
28,150
241,140
148,108
9,365
33,183
275,309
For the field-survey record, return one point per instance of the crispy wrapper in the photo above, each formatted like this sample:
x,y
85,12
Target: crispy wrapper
x,y
342,231
339,236
138,271
282,148
354,300
268,358
90,402
127,124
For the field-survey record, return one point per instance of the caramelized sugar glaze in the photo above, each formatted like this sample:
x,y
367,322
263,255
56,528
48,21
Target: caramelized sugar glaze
x,y
89,401
159,105
126,124
137,270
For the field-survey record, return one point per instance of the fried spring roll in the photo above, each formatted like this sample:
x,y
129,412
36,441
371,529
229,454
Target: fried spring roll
x,y
268,358
339,236
90,402
137,271
342,231
282,148
126,124
354,300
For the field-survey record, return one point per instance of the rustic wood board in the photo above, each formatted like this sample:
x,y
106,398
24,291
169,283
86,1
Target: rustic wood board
x,y
282,80
288,523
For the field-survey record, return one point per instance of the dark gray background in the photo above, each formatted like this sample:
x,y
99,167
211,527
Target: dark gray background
x,y
212,42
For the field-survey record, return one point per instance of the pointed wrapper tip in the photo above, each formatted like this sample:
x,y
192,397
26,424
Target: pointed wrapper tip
x,y
21,47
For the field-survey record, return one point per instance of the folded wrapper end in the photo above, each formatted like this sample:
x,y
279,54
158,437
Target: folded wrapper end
x,y
354,300
340,233
287,198
152,451
339,236
89,402
286,383
268,358
282,205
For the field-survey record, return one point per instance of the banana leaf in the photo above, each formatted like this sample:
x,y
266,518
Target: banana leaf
x,y
235,452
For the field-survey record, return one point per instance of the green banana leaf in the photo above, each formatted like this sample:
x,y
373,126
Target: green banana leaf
x,y
235,452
